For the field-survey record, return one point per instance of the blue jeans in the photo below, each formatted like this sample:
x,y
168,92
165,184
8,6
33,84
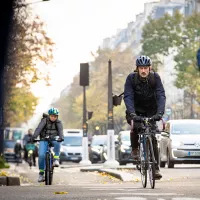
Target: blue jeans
x,y
43,147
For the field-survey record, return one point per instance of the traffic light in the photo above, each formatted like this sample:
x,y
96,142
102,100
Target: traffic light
x,y
117,100
198,58
84,74
90,113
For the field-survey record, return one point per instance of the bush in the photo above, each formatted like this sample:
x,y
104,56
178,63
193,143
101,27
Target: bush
x,y
3,163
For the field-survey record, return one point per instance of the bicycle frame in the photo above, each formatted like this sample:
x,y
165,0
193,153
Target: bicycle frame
x,y
147,157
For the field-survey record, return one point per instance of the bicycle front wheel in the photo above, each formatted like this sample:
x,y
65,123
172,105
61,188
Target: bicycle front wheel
x,y
143,167
151,164
47,170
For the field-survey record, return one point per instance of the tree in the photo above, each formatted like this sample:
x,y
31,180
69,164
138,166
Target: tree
x,y
28,44
179,34
96,93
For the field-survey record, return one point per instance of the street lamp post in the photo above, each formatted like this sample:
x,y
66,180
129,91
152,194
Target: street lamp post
x,y
110,131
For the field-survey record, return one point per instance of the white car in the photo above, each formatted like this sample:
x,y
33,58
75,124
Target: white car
x,y
180,142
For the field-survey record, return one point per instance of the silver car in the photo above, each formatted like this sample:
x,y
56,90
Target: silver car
x,y
180,142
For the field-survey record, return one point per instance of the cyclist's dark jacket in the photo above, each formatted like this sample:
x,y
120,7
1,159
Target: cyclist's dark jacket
x,y
141,98
27,139
49,128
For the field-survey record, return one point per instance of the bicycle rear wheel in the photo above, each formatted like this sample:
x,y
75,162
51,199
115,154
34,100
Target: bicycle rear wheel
x,y
151,164
47,170
143,168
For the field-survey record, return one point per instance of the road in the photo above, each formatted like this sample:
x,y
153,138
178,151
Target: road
x,y
180,183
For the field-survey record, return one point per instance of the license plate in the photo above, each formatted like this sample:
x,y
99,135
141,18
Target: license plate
x,y
194,153
74,158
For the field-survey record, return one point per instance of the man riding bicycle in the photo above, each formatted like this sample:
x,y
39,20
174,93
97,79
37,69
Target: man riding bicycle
x,y
52,127
144,96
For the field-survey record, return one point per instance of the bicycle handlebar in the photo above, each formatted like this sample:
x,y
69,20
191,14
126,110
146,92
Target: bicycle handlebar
x,y
48,140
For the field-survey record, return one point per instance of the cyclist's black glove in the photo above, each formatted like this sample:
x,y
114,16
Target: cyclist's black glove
x,y
32,140
157,117
60,140
135,117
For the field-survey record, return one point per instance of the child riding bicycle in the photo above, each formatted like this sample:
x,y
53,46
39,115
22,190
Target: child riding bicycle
x,y
49,126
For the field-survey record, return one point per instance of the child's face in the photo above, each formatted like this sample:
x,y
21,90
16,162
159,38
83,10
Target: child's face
x,y
53,118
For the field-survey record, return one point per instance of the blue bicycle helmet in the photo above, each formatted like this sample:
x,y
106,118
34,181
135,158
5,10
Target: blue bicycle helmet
x,y
53,111
143,61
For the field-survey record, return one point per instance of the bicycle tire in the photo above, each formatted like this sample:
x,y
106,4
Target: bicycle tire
x,y
151,164
143,168
47,170
30,159
51,170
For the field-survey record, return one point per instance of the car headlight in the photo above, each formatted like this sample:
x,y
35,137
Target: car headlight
x,y
177,143
61,149
124,148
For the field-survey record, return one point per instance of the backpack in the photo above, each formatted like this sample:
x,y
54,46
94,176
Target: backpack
x,y
152,79
45,116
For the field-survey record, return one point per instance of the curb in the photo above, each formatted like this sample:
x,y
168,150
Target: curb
x,y
9,181
123,176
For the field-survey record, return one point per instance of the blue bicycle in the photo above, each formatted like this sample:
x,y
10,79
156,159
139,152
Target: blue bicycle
x,y
49,159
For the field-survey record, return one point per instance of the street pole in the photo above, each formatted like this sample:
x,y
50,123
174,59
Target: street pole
x,y
84,79
110,131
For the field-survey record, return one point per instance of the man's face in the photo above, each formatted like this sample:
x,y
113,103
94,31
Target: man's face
x,y
53,118
143,71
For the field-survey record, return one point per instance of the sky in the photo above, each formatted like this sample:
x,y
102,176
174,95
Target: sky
x,y
78,28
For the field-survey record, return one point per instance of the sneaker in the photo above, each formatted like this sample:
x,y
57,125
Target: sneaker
x,y
56,163
135,154
41,178
158,175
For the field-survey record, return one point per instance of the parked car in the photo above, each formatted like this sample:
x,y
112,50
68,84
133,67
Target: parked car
x,y
123,148
9,153
180,142
71,147
96,147
104,156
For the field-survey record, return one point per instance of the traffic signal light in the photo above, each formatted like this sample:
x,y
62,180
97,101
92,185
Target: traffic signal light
x,y
90,113
84,74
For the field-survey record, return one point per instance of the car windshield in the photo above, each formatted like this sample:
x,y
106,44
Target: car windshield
x,y
98,141
126,137
184,129
9,144
72,141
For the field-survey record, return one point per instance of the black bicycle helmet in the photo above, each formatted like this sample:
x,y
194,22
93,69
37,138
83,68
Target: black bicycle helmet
x,y
143,61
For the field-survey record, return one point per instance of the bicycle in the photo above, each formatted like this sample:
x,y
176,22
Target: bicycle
x,y
30,148
146,154
49,159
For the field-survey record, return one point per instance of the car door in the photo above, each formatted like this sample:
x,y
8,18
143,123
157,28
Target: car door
x,y
164,142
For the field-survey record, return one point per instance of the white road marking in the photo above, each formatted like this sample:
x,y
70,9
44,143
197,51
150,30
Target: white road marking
x,y
131,198
185,198
147,194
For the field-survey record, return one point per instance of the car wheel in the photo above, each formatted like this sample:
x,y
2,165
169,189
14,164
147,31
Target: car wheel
x,y
170,164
